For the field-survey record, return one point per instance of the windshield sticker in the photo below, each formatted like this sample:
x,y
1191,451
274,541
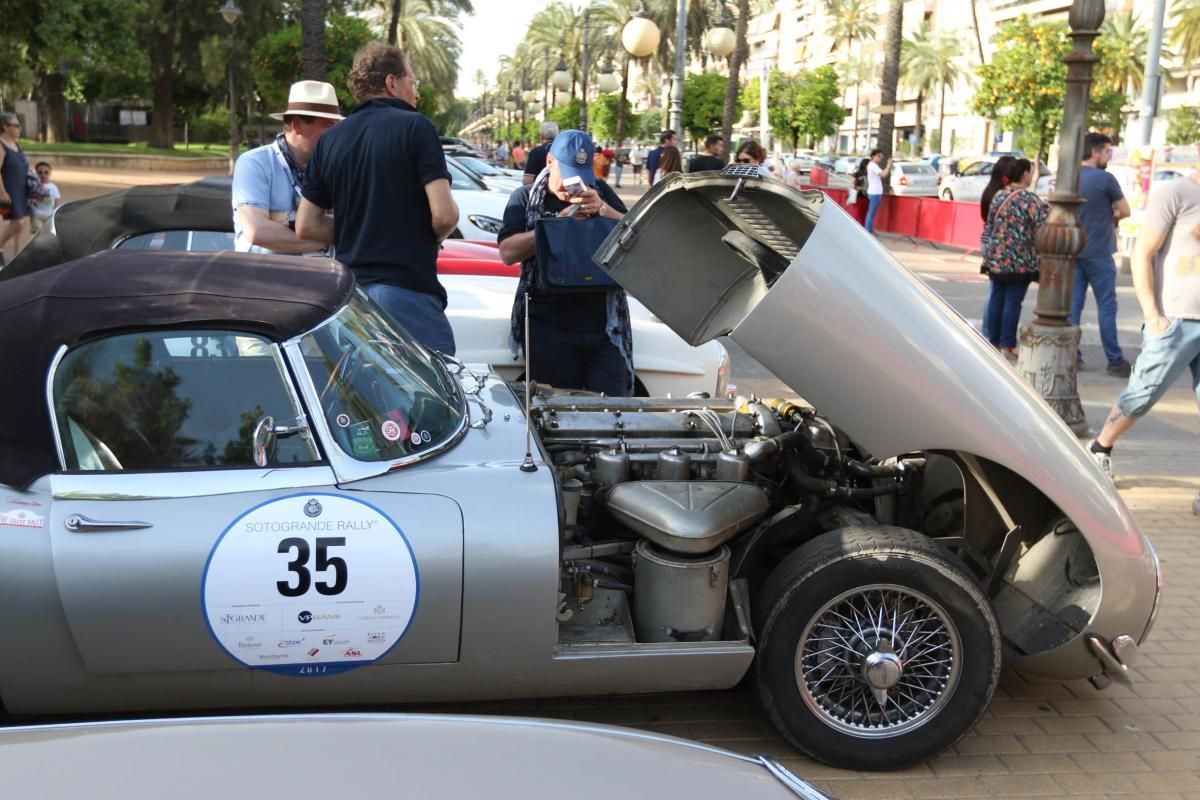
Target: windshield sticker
x,y
343,420
310,585
415,438
390,430
22,518
362,441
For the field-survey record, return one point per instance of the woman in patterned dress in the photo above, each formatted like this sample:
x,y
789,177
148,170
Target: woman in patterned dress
x,y
1011,259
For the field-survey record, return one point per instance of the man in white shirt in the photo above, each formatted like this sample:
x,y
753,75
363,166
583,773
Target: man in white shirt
x,y
875,176
267,180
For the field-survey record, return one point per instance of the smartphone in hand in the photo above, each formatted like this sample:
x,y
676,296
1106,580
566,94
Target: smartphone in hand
x,y
574,185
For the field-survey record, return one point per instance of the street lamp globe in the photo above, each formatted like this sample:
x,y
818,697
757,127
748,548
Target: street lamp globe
x,y
720,41
561,98
561,79
230,12
535,107
511,103
529,95
640,36
608,82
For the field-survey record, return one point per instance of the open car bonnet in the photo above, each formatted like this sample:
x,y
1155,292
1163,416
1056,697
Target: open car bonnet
x,y
801,286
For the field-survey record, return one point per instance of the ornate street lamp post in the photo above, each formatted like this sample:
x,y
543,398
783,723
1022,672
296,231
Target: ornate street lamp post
x,y
1049,344
231,14
680,46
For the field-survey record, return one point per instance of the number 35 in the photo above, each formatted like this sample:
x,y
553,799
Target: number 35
x,y
299,566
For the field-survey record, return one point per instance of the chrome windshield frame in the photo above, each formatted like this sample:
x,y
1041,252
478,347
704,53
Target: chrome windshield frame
x,y
345,467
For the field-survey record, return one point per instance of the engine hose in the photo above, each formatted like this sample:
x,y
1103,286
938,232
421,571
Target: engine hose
x,y
827,488
858,469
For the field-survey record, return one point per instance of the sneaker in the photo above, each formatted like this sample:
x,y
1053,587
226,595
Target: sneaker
x,y
1103,461
1009,352
1121,369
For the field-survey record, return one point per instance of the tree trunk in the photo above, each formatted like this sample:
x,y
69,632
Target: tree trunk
x,y
978,38
857,105
56,108
891,75
942,123
919,130
621,103
735,69
162,68
312,35
394,22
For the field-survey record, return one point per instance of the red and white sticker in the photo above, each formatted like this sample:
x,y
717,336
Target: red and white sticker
x,y
22,518
390,430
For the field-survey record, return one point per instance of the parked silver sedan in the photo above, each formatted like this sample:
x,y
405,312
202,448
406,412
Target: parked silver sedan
x,y
232,481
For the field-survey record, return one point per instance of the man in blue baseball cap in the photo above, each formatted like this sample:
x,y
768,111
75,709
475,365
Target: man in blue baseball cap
x,y
578,341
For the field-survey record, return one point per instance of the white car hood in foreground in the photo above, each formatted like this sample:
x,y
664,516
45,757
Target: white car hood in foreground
x,y
381,756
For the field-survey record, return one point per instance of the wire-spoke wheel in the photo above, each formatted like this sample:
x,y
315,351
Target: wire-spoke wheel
x,y
878,660
876,648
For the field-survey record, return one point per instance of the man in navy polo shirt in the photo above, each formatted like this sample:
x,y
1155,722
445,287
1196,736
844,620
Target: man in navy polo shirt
x,y
385,179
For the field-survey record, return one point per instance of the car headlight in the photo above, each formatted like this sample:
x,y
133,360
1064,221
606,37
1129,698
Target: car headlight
x,y
486,224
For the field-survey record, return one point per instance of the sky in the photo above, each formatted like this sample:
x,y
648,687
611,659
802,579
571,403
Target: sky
x,y
492,31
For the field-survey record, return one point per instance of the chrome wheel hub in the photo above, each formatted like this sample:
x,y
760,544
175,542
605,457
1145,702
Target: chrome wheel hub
x,y
878,660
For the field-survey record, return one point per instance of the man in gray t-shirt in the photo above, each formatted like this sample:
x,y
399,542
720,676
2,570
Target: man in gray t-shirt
x,y
1166,277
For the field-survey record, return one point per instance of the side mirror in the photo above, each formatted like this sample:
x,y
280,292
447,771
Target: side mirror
x,y
262,439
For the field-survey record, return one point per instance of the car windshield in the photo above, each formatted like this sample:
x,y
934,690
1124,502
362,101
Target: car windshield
x,y
460,179
383,396
482,167
917,169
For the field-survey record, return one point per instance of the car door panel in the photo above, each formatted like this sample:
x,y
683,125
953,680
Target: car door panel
x,y
133,597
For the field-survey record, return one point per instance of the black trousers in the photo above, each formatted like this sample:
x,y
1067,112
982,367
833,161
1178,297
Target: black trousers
x,y
571,360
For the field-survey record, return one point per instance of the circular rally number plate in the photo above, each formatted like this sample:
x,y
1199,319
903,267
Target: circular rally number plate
x,y
310,585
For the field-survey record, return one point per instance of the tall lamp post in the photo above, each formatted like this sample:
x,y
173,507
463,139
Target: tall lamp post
x,y
1049,344
231,14
680,46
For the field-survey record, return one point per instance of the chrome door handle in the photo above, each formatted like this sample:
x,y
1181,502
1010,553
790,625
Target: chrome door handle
x,y
77,523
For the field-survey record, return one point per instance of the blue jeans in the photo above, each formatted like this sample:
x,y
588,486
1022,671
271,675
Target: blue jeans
x,y
1161,361
1004,311
617,168
873,201
422,315
1101,275
987,301
570,360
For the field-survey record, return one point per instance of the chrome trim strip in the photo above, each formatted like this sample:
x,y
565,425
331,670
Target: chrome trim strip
x,y
346,468
185,483
1158,585
800,788
58,447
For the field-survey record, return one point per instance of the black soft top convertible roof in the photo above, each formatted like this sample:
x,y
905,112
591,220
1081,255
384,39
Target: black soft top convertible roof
x,y
87,226
277,297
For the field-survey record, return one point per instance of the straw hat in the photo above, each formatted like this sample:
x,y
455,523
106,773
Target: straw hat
x,y
312,99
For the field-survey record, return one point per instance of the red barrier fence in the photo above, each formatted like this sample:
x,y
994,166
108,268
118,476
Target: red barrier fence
x,y
951,223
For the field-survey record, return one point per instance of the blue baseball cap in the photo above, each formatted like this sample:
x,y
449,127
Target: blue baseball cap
x,y
574,150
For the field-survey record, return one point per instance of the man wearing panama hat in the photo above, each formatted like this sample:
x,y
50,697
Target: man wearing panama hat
x,y
267,180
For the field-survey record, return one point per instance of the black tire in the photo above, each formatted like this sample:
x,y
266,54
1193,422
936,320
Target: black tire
x,y
838,718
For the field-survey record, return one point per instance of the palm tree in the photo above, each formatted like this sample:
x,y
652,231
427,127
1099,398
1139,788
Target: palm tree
x,y
930,59
399,9
916,70
428,32
1123,41
312,38
856,70
735,67
851,20
1186,35
891,74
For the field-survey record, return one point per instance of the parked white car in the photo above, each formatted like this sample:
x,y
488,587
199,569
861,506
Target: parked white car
x,y
913,179
480,210
974,174
490,175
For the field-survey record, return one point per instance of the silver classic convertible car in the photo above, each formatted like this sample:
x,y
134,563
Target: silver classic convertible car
x,y
232,481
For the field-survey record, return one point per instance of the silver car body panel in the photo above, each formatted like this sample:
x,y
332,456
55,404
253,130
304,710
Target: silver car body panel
x,y
871,345
485,624
377,754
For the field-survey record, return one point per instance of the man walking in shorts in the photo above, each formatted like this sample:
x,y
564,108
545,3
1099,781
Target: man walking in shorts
x,y
1166,277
